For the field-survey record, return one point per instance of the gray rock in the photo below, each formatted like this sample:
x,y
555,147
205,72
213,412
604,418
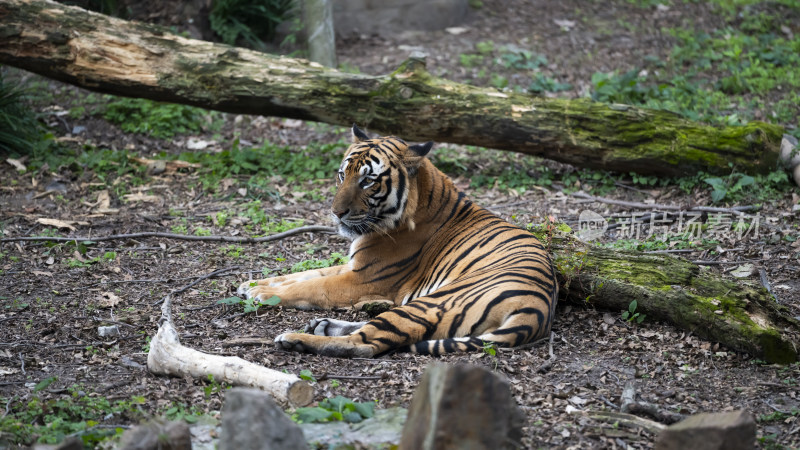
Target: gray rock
x,y
251,420
382,430
462,407
157,435
734,430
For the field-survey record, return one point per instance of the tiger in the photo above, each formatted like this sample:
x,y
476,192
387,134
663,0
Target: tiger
x,y
459,278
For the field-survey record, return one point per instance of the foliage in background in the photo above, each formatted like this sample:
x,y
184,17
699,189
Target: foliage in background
x,y
310,264
744,71
50,421
160,120
20,131
251,21
314,162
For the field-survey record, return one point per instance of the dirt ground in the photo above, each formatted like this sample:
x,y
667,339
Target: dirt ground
x,y
51,308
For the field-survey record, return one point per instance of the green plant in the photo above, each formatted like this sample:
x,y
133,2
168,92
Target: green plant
x,y
213,386
160,120
521,59
20,130
251,305
733,184
50,420
310,264
249,20
542,83
631,315
313,162
335,409
470,59
180,411
306,374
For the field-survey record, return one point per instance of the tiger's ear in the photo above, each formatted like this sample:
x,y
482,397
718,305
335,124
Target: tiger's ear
x,y
358,135
421,149
415,155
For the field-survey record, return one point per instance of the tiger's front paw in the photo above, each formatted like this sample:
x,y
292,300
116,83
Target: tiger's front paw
x,y
340,347
254,290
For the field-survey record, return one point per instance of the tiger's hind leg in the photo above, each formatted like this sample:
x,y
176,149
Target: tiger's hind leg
x,y
422,326
514,331
395,328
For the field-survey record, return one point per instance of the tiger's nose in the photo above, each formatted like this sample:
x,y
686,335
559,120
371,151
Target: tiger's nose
x,y
341,213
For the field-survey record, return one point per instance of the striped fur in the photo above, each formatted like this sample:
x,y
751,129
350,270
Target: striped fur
x,y
460,277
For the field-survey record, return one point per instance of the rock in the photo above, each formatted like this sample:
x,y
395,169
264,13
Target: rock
x,y
157,435
111,330
462,406
251,420
383,430
710,431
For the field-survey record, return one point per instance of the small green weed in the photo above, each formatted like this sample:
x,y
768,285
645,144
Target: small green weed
x,y
631,315
335,409
311,163
306,374
50,421
20,130
310,264
160,120
214,387
250,305
542,83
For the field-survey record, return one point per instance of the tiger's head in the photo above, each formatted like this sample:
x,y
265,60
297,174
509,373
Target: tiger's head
x,y
376,189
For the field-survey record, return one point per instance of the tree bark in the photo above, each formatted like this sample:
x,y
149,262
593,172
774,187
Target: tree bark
x,y
740,315
138,60
318,15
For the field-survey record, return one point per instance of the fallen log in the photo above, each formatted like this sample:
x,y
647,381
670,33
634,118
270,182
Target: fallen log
x,y
114,56
740,315
168,357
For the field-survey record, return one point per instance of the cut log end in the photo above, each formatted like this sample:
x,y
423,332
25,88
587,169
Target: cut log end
x,y
300,393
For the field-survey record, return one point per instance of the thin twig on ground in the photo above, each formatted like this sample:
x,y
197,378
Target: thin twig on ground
x,y
631,406
204,277
549,363
326,376
183,237
737,210
765,282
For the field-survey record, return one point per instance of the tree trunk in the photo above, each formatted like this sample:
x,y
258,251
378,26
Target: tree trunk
x,y
138,60
737,314
318,16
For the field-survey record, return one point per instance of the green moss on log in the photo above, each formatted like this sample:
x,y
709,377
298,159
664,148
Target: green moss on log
x,y
738,315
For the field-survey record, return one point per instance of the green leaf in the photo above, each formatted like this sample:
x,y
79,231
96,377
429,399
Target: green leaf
x,y
272,301
44,383
313,414
366,409
306,374
353,417
625,315
641,317
632,306
230,301
715,182
337,403
718,194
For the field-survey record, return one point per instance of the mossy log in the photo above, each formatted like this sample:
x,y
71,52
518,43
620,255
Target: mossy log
x,y
138,60
740,315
